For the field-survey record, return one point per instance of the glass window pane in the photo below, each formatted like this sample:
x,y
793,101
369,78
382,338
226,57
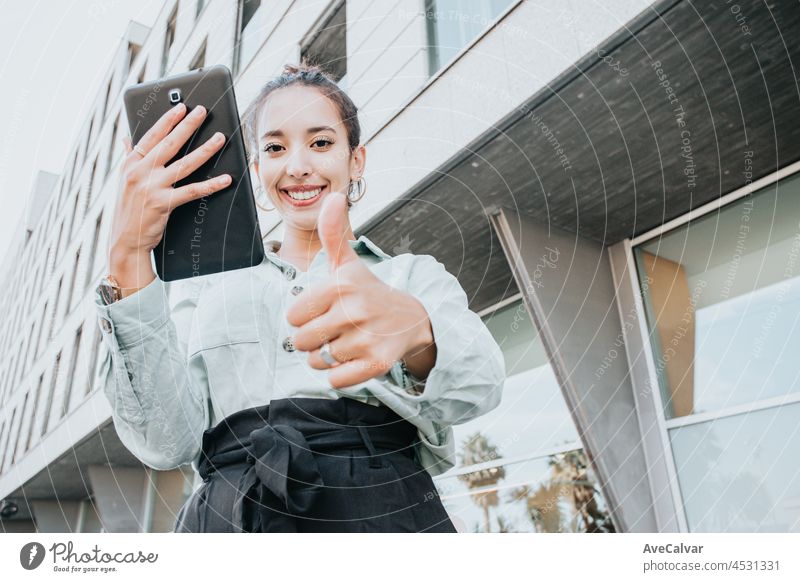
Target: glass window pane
x,y
532,414
740,473
550,494
457,22
722,296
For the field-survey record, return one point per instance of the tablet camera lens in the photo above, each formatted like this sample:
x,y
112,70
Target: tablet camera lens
x,y
175,96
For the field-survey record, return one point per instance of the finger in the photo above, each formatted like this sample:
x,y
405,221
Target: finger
x,y
196,190
334,230
316,332
356,371
179,169
315,359
312,303
169,146
126,143
161,127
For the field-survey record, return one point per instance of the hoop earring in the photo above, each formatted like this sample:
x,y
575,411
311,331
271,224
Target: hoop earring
x,y
255,197
352,197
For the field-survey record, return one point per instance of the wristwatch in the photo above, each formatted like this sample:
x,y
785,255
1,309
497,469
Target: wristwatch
x,y
414,384
109,290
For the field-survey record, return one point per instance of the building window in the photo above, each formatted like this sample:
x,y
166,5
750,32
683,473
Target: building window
x,y
248,37
73,365
92,370
74,283
142,72
75,210
33,412
108,98
19,429
199,60
92,259
55,313
453,24
327,45
90,194
88,139
8,440
133,52
534,475
722,298
169,38
112,146
41,329
72,173
51,394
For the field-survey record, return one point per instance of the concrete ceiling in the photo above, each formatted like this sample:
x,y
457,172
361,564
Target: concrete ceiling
x,y
624,172
67,478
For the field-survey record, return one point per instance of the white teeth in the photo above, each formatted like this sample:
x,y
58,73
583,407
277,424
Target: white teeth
x,y
304,195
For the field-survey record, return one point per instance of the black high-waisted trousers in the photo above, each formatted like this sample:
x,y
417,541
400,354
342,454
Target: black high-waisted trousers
x,y
312,465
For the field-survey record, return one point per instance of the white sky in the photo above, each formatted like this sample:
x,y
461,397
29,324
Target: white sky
x,y
54,55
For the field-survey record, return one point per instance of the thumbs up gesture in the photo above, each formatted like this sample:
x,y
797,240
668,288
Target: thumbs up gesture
x,y
368,324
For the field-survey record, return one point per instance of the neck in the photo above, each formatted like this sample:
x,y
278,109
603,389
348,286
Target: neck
x,y
299,247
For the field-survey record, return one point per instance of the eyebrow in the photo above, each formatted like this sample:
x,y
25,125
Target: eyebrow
x,y
279,133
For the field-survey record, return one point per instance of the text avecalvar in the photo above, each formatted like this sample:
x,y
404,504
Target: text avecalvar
x,y
672,549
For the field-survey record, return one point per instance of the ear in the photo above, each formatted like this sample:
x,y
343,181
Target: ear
x,y
358,161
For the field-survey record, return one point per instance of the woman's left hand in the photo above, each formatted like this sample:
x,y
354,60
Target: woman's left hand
x,y
368,324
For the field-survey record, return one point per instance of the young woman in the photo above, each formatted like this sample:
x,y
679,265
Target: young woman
x,y
315,392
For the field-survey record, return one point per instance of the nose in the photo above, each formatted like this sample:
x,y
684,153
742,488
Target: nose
x,y
297,165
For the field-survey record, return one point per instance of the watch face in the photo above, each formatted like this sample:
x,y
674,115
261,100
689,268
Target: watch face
x,y
108,292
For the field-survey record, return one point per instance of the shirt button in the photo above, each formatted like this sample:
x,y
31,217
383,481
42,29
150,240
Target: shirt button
x,y
290,273
296,290
288,345
106,325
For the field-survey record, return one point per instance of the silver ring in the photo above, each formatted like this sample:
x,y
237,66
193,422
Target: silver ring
x,y
138,149
325,354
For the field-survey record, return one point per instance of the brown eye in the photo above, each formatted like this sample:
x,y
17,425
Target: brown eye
x,y
323,140
267,147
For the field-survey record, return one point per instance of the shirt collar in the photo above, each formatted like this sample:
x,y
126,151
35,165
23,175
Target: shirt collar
x,y
362,246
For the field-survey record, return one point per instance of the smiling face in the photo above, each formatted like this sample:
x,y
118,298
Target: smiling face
x,y
303,153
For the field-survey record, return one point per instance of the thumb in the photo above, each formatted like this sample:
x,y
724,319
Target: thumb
x,y
334,230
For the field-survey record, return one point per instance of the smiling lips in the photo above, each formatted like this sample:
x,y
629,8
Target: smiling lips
x,y
303,197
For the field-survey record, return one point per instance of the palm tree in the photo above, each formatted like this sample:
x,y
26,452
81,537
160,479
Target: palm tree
x,y
569,480
476,449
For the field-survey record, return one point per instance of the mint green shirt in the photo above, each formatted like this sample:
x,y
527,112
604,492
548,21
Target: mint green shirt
x,y
181,356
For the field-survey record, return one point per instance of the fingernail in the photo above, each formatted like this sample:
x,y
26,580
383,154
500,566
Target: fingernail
x,y
217,137
178,108
224,179
199,110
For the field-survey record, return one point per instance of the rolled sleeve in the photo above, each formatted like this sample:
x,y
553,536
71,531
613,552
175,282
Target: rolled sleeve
x,y
158,412
467,378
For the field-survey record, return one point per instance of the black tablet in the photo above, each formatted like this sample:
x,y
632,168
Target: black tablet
x,y
219,232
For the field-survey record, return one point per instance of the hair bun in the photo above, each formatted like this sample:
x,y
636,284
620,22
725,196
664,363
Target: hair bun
x,y
304,67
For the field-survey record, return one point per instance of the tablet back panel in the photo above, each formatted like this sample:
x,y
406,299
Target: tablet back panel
x,y
219,232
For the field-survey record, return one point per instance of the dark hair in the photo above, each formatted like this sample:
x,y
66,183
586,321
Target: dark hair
x,y
310,76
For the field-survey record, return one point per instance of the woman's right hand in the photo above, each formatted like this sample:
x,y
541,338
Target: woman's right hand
x,y
147,196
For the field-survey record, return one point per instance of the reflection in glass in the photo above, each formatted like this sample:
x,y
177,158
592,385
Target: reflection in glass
x,y
250,32
557,493
516,486
452,24
740,473
722,296
532,415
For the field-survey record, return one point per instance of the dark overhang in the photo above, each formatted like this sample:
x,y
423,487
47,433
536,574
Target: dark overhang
x,y
619,144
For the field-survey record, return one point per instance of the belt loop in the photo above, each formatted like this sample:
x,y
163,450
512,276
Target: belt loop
x,y
374,461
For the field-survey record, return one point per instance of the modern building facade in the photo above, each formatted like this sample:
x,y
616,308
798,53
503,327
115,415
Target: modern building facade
x,y
614,184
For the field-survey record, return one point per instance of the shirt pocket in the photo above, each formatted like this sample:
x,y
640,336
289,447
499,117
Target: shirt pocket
x,y
237,364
